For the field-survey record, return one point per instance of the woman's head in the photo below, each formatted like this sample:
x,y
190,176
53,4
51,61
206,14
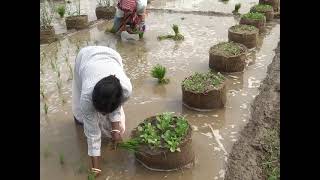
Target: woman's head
x,y
107,94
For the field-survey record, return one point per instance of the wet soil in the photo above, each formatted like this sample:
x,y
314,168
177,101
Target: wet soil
x,y
249,153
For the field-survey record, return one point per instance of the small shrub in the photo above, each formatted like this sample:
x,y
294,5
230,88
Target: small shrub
x,y
159,72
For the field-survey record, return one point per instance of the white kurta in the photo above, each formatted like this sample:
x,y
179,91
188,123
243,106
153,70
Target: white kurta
x,y
91,65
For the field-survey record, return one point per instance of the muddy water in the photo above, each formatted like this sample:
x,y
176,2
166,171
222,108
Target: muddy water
x,y
88,7
204,5
60,135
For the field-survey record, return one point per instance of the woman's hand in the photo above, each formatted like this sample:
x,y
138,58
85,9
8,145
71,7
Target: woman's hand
x,y
116,134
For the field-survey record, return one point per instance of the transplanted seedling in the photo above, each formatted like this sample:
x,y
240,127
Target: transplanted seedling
x,y
61,159
91,176
59,84
53,65
61,10
159,72
70,71
46,108
176,37
58,73
46,152
42,93
63,100
236,9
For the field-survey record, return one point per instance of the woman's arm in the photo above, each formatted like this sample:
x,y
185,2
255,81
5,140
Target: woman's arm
x,y
92,131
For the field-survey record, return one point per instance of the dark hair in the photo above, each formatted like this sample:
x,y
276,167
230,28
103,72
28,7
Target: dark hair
x,y
106,95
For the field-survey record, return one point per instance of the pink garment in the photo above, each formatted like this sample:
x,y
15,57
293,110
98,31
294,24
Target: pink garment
x,y
127,5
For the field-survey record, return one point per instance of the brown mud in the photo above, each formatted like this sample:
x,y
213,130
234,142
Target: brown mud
x,y
247,155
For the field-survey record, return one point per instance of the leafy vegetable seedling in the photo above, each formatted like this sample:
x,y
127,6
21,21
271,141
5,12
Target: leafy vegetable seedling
x,y
168,132
159,72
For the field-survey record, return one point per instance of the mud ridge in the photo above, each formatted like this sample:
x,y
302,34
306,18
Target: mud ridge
x,y
251,151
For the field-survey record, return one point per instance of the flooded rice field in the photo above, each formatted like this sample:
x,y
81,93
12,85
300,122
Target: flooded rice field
x,y
62,140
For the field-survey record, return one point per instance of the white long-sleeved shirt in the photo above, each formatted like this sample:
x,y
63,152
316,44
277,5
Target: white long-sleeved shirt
x,y
91,65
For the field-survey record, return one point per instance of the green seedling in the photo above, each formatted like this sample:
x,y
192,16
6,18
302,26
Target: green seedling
x,y
70,71
243,28
176,37
91,176
236,8
172,140
202,82
227,49
58,73
46,108
253,16
61,159
63,100
159,72
46,152
42,93
261,8
59,84
61,10
53,65
164,121
148,135
166,133
131,145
